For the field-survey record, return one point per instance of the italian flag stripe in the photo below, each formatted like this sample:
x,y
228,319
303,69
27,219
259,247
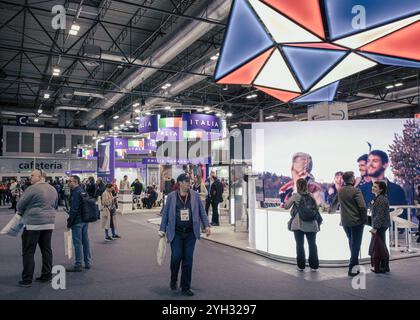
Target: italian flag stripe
x,y
170,122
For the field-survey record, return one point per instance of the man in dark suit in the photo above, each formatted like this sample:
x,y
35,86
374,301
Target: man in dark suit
x,y
353,217
214,197
377,163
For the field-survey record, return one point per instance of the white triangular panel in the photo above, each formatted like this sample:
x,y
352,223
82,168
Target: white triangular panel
x,y
277,75
281,28
352,64
360,39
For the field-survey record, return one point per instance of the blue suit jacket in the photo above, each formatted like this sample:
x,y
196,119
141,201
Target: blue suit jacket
x,y
169,215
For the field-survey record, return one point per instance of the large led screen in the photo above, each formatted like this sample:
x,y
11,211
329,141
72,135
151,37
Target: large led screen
x,y
320,151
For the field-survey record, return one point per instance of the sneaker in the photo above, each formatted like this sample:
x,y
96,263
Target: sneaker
x,y
314,270
88,266
188,293
116,237
215,224
75,269
108,239
299,269
25,283
43,279
353,274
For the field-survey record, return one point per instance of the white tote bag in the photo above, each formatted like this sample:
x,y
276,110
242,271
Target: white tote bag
x,y
14,226
68,244
161,250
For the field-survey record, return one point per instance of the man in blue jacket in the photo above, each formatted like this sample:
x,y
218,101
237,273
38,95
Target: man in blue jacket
x,y
182,217
79,229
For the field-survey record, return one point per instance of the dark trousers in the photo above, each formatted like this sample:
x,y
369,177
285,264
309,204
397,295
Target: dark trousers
x,y
208,203
182,247
300,249
2,198
215,215
30,239
354,234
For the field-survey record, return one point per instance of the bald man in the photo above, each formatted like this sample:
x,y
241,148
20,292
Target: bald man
x,y
38,208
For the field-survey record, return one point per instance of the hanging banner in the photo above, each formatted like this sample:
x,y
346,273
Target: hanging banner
x,y
120,143
205,122
148,124
167,134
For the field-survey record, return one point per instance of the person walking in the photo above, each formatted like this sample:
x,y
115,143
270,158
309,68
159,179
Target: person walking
x,y
3,190
302,200
78,228
109,213
181,222
37,207
216,197
381,219
353,217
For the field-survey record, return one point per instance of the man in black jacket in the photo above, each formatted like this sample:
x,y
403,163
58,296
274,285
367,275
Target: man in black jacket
x,y
214,197
78,228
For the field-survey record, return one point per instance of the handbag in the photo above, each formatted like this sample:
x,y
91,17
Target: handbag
x,y
68,244
14,226
161,250
294,213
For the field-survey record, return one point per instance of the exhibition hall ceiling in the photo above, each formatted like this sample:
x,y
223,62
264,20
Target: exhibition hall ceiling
x,y
103,63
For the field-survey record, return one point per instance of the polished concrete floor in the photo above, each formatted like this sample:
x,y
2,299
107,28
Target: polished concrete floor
x,y
127,269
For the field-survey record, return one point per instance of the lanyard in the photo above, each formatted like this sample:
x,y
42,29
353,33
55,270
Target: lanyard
x,y
186,199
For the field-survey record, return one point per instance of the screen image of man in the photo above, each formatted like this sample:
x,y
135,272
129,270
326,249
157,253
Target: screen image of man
x,y
364,177
377,164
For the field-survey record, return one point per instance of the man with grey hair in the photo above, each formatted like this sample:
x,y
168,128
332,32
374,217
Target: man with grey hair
x,y
38,208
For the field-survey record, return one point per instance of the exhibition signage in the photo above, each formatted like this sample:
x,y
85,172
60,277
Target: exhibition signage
x,y
148,124
204,122
168,134
120,143
282,48
176,161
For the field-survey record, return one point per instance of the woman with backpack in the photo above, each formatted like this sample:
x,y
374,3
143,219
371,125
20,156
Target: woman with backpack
x,y
305,221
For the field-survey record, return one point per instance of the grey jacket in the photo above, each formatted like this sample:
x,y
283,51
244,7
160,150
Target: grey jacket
x,y
353,208
38,206
297,223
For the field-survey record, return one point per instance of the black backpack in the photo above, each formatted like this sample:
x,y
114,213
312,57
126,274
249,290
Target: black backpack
x,y
89,208
307,208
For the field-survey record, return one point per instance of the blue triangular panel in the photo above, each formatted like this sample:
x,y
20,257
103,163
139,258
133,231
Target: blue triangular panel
x,y
309,64
343,16
392,61
326,93
245,39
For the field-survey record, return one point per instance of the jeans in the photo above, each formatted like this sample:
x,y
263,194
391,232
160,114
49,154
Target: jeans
x,y
354,234
182,248
112,228
81,238
30,238
300,249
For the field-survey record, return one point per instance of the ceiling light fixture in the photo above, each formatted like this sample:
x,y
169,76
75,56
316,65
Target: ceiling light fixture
x,y
39,111
199,110
251,96
56,71
36,119
167,108
389,87
137,111
234,126
148,113
229,114
270,117
136,104
46,95
116,117
101,126
218,114
116,128
206,108
399,84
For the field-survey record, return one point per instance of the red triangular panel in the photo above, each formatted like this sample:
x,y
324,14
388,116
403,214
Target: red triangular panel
x,y
284,96
322,45
403,43
305,12
247,73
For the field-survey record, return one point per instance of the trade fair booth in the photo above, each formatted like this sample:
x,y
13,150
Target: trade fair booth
x,y
318,151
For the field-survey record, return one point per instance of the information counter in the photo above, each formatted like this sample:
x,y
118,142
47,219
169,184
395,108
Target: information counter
x,y
272,238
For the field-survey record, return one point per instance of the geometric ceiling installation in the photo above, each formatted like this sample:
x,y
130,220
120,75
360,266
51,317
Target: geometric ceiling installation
x,y
284,48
